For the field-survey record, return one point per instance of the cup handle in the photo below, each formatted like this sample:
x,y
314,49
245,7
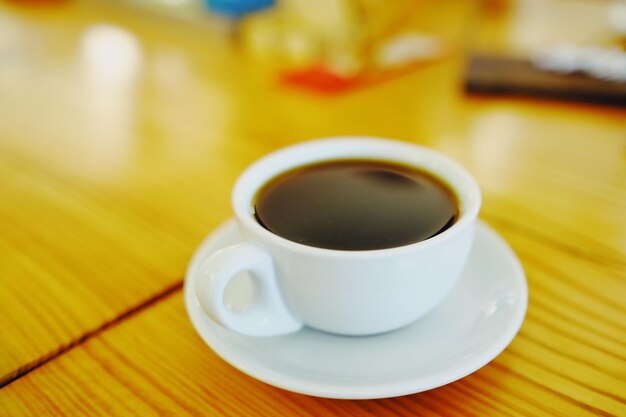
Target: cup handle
x,y
268,316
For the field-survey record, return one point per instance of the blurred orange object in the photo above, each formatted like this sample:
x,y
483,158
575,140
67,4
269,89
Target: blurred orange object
x,y
320,79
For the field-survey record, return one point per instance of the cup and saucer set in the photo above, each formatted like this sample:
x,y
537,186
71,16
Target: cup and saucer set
x,y
355,324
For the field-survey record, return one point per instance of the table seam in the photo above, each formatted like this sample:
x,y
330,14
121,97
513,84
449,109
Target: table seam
x,y
88,335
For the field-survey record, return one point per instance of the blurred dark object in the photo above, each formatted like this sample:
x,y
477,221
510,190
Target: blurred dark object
x,y
507,76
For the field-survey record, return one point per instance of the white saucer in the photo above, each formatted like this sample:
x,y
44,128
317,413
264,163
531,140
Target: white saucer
x,y
473,324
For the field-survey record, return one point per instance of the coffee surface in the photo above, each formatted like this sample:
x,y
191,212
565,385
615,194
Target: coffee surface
x,y
356,205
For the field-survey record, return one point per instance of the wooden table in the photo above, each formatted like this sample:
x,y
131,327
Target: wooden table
x,y
120,138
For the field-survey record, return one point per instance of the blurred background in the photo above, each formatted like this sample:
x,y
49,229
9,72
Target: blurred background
x,y
332,46
178,77
102,91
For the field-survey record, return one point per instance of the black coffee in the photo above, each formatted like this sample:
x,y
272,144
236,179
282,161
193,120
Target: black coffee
x,y
356,205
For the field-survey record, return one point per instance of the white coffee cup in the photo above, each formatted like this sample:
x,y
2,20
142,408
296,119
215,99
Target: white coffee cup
x,y
344,292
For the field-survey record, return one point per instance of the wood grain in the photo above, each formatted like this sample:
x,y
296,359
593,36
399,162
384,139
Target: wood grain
x,y
567,360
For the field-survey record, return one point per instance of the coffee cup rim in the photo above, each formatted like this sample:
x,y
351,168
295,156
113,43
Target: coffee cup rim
x,y
253,178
